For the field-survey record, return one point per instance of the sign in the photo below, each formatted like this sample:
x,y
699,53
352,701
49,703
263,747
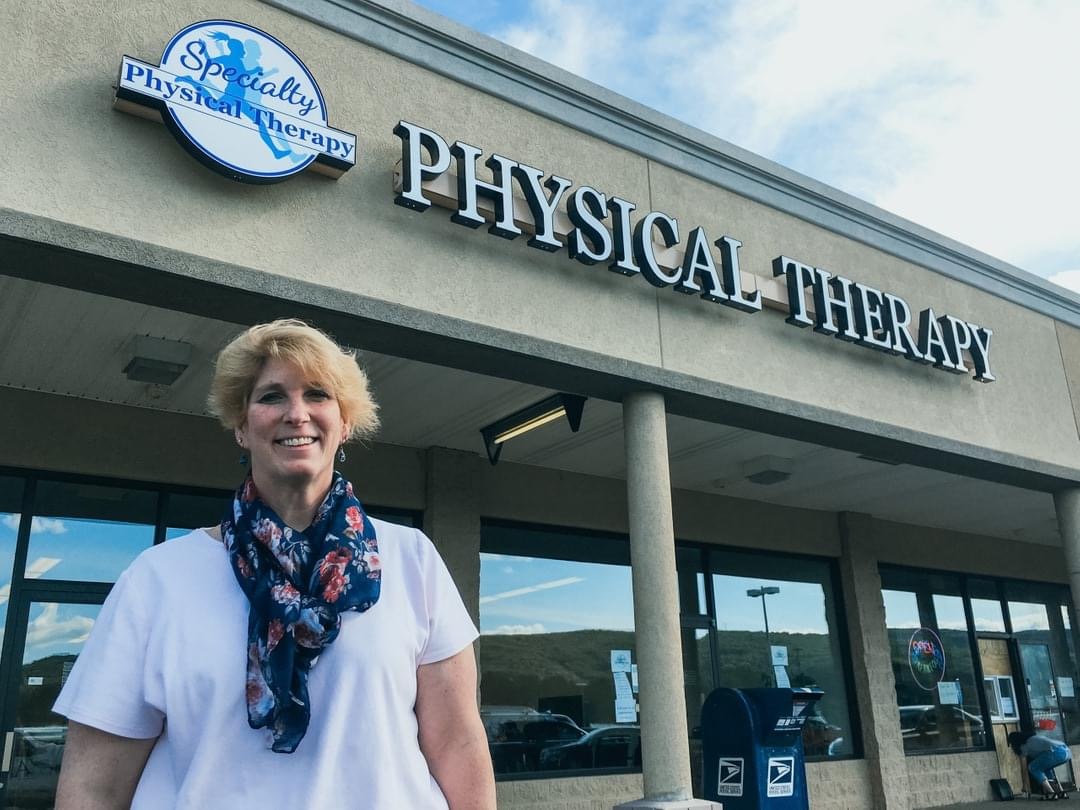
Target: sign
x,y
625,711
35,680
620,661
597,228
779,655
1065,687
239,101
730,781
949,693
781,776
926,658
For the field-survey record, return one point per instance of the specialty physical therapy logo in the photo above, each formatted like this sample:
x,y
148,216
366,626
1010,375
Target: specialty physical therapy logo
x,y
926,657
238,101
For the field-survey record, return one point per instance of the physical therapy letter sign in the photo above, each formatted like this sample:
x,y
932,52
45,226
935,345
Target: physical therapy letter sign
x,y
592,227
240,102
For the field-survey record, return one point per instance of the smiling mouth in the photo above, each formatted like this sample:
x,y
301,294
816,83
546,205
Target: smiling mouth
x,y
299,441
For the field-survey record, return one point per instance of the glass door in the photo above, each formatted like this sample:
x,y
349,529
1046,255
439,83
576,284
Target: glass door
x,y
1043,694
53,626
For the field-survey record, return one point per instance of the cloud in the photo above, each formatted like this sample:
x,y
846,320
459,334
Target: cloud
x,y
543,586
955,116
47,628
516,630
1034,619
38,525
1069,279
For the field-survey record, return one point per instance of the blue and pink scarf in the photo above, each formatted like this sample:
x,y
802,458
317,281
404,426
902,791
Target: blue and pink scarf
x,y
298,584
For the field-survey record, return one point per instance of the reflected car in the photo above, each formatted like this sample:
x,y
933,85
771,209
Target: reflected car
x,y
517,735
604,747
821,738
938,727
35,766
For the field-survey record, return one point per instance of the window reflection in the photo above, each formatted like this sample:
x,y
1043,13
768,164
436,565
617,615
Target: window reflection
x,y
10,504
769,607
938,697
556,637
55,636
88,532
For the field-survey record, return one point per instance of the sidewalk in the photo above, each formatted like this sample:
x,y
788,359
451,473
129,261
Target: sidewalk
x,y
1072,801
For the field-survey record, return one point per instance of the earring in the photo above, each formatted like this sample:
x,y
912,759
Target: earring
x,y
341,454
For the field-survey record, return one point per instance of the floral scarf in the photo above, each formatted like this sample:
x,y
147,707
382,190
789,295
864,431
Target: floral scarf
x,y
298,583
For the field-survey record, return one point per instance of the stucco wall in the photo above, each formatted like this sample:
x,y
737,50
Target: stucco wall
x,y
80,162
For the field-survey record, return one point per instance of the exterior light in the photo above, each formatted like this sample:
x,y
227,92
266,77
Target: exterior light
x,y
156,360
540,413
767,470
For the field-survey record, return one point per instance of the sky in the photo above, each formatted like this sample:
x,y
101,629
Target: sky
x,y
958,116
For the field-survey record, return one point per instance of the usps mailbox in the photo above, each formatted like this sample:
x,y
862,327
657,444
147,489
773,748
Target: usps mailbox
x,y
752,744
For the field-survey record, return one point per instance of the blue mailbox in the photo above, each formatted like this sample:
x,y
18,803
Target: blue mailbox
x,y
752,744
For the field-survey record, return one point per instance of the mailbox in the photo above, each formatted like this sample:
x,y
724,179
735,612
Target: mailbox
x,y
752,744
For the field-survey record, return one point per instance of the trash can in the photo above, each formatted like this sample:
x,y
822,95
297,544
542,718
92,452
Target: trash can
x,y
752,747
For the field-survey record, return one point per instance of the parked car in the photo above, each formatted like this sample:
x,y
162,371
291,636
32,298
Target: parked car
x,y
517,735
938,727
604,747
821,738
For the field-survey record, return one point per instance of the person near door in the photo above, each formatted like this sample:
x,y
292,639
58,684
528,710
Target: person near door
x,y
300,654
1043,755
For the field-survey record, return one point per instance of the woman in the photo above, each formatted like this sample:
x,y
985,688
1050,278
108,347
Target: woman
x,y
300,655
1043,755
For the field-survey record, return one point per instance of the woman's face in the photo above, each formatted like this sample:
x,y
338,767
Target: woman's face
x,y
293,429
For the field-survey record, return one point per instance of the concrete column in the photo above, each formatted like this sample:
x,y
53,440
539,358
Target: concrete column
x,y
1067,504
452,518
871,660
664,741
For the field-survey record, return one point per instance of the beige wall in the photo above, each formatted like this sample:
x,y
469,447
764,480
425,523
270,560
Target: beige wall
x,y
80,162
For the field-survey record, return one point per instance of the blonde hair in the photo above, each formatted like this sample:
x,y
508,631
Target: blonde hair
x,y
322,360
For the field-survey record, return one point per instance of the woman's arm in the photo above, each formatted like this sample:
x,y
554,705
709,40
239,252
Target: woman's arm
x,y
452,736
100,770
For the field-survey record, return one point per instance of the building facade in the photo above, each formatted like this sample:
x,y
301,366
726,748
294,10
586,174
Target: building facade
x,y
819,445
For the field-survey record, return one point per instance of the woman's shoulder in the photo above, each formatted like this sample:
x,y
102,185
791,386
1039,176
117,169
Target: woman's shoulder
x,y
406,541
176,555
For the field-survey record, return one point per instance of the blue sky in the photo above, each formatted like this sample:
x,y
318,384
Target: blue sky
x,y
958,116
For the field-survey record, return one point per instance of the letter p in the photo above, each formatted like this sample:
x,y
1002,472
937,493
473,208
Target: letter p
x,y
413,169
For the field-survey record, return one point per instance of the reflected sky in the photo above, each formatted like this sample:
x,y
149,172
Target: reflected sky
x,y
91,550
799,607
534,595
521,595
9,529
1028,616
57,628
901,609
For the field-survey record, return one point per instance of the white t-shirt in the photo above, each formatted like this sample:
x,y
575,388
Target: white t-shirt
x,y
168,657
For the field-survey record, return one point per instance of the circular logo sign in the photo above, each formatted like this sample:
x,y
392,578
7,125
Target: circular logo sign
x,y
926,657
240,102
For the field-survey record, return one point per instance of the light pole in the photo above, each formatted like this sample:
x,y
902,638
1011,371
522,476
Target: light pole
x,y
763,591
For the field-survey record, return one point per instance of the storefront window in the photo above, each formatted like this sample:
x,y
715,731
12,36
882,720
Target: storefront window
x,y
557,652
986,606
777,625
937,693
88,532
10,505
